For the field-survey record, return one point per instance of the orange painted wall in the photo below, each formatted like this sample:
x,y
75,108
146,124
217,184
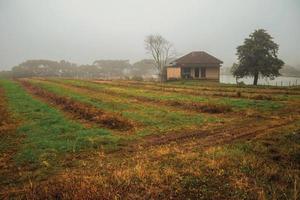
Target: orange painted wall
x,y
173,72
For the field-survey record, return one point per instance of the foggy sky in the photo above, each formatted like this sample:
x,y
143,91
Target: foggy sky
x,y
82,31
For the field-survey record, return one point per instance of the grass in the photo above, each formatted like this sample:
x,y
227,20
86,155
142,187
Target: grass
x,y
46,133
153,119
171,96
273,172
232,171
170,153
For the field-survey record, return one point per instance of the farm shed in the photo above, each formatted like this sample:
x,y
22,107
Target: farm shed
x,y
195,65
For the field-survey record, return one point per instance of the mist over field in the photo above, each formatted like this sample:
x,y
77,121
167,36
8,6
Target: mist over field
x,y
85,31
150,99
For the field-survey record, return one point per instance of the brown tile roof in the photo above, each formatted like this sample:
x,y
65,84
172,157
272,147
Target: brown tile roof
x,y
197,57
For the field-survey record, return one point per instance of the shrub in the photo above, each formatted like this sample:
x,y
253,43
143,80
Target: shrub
x,y
137,78
173,79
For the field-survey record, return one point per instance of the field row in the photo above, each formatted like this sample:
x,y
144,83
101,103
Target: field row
x,y
174,97
211,88
52,125
69,115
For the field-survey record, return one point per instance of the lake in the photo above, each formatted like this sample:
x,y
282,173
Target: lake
x,y
279,81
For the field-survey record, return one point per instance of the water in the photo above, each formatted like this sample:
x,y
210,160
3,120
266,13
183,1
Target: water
x,y
279,81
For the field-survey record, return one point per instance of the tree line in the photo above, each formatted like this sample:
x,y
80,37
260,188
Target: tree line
x,y
257,57
99,69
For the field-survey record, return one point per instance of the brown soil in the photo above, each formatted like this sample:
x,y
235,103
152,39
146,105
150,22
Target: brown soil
x,y
205,90
8,135
245,129
5,119
192,106
202,107
67,185
7,124
80,110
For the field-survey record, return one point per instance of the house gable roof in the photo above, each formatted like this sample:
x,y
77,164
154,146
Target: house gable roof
x,y
197,57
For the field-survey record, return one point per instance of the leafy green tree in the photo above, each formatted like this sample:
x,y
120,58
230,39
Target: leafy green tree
x,y
257,57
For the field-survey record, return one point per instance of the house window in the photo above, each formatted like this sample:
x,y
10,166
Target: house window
x,y
186,72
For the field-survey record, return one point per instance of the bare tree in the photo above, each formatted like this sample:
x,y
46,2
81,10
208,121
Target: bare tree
x,y
161,51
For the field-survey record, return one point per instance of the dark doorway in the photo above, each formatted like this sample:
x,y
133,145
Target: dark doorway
x,y
196,72
203,72
186,72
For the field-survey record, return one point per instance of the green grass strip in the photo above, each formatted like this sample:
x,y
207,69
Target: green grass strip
x,y
263,105
47,133
155,119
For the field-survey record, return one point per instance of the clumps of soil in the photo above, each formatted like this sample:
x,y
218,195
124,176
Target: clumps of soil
x,y
214,108
80,110
262,97
225,94
238,94
202,107
6,122
193,106
10,141
3,118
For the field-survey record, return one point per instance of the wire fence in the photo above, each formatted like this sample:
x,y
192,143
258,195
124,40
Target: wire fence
x,y
280,81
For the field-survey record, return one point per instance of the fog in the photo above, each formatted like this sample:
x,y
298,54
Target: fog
x,y
82,31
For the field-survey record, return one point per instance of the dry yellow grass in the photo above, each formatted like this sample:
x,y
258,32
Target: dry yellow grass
x,y
248,156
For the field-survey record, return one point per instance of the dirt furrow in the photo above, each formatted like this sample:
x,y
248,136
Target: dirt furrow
x,y
247,129
80,110
191,106
202,92
248,92
10,140
6,124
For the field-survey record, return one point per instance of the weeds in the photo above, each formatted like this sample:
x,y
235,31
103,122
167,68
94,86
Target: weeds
x,y
46,133
151,117
80,110
236,151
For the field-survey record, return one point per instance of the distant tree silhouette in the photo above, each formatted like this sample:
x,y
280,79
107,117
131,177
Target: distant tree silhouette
x,y
161,50
99,69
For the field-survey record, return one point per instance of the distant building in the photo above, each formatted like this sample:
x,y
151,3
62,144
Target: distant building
x,y
195,65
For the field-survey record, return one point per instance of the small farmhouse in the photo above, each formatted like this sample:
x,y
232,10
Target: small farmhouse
x,y
195,65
